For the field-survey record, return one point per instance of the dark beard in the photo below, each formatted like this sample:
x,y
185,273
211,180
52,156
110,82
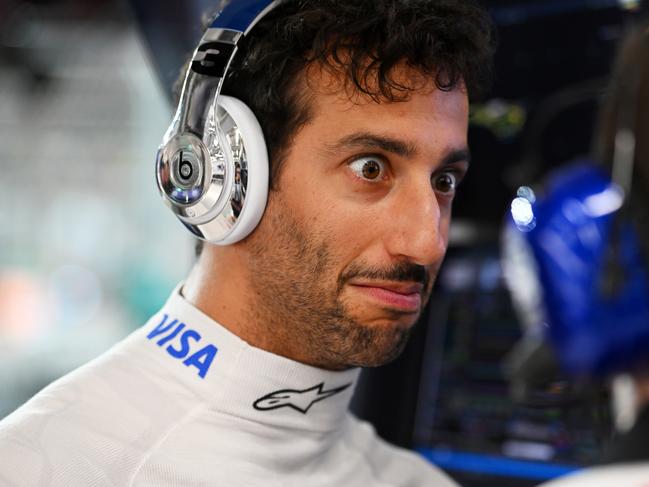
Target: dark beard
x,y
298,297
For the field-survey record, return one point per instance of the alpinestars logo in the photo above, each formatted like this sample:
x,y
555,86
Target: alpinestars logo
x,y
298,400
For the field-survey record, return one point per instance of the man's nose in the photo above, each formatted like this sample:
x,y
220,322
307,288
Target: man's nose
x,y
419,229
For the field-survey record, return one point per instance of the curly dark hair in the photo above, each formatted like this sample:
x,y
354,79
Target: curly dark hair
x,y
363,42
449,41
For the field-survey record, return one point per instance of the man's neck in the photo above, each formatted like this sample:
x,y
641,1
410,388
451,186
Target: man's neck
x,y
220,286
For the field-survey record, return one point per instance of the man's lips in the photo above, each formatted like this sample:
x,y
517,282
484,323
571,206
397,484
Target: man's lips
x,y
403,296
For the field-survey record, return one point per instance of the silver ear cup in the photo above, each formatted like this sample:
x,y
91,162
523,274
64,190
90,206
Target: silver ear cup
x,y
206,182
193,178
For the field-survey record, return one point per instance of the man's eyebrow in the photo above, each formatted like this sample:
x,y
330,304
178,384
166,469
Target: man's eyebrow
x,y
396,146
387,144
457,155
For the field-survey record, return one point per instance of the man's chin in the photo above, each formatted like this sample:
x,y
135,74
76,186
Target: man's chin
x,y
385,328
382,345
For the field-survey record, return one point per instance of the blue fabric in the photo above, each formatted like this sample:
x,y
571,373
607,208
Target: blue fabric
x,y
594,334
239,14
495,465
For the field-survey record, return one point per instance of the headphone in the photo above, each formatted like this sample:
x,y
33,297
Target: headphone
x,y
212,164
585,277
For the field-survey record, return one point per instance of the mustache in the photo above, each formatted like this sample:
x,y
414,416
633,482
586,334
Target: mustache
x,y
402,271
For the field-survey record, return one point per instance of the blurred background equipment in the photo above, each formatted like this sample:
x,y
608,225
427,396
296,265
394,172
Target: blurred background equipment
x,y
87,251
588,251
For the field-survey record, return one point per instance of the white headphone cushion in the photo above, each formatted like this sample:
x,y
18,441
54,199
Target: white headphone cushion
x,y
257,157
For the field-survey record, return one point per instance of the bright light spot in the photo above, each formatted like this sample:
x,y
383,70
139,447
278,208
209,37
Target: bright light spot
x,y
523,214
527,193
603,203
532,450
629,4
503,118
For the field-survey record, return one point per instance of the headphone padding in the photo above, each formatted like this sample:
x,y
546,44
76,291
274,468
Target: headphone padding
x,y
257,157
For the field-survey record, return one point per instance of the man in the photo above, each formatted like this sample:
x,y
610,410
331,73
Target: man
x,y
245,375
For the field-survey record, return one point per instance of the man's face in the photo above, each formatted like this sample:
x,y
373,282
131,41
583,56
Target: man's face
x,y
355,231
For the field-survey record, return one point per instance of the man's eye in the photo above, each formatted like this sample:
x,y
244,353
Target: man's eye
x,y
445,182
368,168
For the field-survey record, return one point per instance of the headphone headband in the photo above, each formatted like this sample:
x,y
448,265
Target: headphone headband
x,y
212,58
244,17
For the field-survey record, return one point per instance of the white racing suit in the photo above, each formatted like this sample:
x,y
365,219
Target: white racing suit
x,y
620,475
184,402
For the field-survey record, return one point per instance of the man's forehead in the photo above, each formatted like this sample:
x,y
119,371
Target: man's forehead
x,y
341,117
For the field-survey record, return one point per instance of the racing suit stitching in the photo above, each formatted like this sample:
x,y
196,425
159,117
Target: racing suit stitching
x,y
350,444
145,457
